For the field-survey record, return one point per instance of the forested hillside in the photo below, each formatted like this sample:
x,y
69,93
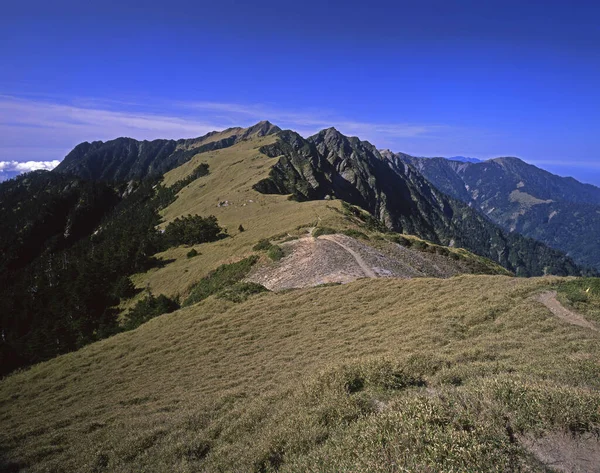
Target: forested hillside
x,y
68,249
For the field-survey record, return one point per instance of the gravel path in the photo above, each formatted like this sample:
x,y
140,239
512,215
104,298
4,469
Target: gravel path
x,y
549,300
364,266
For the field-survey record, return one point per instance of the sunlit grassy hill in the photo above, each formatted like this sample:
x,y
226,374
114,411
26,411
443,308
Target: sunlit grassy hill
x,y
394,370
227,192
459,374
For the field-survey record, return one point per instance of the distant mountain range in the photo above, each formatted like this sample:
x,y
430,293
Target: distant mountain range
x,y
558,211
331,164
463,159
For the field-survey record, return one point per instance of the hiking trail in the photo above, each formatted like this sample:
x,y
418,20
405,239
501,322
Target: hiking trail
x,y
549,300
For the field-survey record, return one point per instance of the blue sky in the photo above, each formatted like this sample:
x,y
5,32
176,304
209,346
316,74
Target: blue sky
x,y
430,78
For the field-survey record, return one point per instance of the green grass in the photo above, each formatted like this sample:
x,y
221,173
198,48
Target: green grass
x,y
263,245
220,279
583,295
317,232
241,291
148,308
355,234
416,375
275,253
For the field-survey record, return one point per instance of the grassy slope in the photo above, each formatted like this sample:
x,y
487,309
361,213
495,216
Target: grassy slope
x,y
298,380
233,171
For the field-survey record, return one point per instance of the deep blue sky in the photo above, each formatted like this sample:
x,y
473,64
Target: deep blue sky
x,y
481,79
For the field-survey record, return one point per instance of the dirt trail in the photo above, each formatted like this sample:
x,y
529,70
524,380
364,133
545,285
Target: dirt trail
x,y
366,269
550,301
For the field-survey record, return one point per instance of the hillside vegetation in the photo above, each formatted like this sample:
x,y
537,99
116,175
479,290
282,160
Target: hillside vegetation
x,y
463,374
228,193
256,309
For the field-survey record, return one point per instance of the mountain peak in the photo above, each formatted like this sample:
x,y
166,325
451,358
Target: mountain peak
x,y
262,128
328,134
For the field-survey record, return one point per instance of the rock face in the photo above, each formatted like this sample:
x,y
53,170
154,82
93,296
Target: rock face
x,y
394,191
124,159
561,212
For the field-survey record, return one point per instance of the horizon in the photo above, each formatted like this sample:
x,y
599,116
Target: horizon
x,y
466,79
11,169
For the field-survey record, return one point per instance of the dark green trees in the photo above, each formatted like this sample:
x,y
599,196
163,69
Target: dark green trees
x,y
192,230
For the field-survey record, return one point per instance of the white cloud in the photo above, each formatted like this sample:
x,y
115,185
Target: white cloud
x,y
96,123
16,166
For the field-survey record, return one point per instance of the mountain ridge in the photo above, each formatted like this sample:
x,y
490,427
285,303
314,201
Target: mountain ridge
x,y
124,159
520,197
330,164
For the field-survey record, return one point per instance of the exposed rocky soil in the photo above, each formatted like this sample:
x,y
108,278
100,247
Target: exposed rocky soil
x,y
566,452
339,258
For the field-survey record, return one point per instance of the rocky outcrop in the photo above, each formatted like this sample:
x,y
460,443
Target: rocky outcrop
x,y
394,191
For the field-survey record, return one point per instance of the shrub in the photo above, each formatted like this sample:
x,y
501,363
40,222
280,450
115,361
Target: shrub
x,y
241,228
581,287
290,238
123,288
442,250
240,291
367,220
317,232
263,244
193,230
192,253
221,278
355,234
147,309
275,253
420,245
199,171
400,240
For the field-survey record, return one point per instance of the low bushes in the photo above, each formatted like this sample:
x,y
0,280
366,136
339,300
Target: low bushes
x,y
317,232
241,291
275,253
221,278
147,309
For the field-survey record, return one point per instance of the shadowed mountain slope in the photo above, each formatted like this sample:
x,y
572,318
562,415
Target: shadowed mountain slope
x,y
558,211
331,165
124,159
